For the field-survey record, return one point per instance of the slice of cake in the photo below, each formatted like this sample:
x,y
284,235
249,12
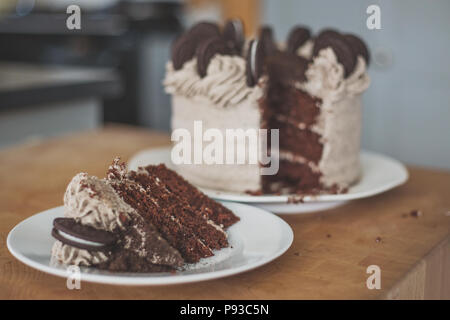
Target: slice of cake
x,y
309,89
132,221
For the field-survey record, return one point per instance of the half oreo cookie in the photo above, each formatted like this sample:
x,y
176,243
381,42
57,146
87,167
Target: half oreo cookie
x,y
297,37
74,234
208,49
183,50
185,46
266,40
341,47
204,30
358,46
233,34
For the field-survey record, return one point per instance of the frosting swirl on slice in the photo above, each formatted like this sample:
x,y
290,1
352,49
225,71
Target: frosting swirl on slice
x,y
94,203
224,83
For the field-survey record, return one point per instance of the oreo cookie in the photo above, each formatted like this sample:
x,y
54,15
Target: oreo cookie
x,y
254,62
329,32
208,49
233,34
267,41
358,46
74,234
203,30
185,46
297,37
343,50
183,50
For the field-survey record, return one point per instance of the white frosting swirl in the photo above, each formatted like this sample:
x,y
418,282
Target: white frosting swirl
x,y
94,202
224,83
325,77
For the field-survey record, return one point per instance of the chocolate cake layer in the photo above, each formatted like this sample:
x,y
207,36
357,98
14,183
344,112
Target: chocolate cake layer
x,y
207,231
186,228
294,104
197,199
293,176
178,235
303,142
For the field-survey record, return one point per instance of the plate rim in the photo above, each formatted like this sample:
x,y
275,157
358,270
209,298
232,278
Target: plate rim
x,y
284,199
117,279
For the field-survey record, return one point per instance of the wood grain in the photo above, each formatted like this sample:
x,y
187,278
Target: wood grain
x,y
328,259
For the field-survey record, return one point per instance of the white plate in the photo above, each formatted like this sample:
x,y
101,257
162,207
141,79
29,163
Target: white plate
x,y
258,238
379,174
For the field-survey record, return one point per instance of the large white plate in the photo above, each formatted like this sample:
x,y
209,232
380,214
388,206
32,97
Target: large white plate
x,y
258,238
380,173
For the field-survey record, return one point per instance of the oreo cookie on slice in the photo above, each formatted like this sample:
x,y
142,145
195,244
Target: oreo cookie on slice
x,y
297,37
343,50
358,46
233,34
207,50
254,62
267,42
74,234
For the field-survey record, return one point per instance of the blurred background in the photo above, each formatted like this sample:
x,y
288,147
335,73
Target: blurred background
x,y
55,81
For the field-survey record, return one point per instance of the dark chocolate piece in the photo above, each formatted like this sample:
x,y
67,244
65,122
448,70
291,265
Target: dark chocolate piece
x,y
208,49
341,48
358,46
75,229
297,37
233,34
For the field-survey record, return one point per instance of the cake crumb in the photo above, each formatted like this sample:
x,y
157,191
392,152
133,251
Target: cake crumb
x,y
415,213
378,240
296,254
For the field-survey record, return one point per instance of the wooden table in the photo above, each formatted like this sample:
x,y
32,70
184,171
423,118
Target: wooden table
x,y
328,259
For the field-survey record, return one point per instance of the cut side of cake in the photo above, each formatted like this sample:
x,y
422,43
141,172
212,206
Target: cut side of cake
x,y
309,90
132,221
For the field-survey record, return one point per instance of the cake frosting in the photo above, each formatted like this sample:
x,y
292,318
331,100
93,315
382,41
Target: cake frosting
x,y
82,202
339,122
325,78
223,85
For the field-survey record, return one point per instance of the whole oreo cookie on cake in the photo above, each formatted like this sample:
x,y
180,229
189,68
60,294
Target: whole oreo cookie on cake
x,y
309,88
151,220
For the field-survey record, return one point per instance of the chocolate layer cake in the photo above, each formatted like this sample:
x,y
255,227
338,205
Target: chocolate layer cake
x,y
309,89
133,221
